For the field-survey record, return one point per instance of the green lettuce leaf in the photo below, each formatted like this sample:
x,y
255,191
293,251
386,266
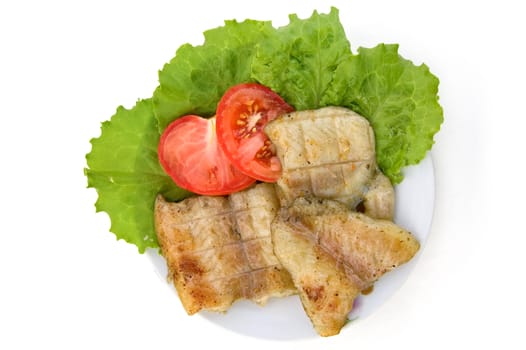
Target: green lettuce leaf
x,y
124,168
308,62
196,78
399,99
299,60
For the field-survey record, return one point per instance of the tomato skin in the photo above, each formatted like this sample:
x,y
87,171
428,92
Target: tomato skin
x,y
242,114
188,152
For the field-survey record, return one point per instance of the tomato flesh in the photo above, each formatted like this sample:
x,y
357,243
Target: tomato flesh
x,y
242,114
189,153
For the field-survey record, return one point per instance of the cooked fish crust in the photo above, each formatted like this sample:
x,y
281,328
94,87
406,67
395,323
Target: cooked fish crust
x,y
328,248
219,249
329,153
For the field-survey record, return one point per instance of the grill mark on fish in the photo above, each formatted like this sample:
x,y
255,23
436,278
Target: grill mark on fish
x,y
220,214
248,272
233,243
246,291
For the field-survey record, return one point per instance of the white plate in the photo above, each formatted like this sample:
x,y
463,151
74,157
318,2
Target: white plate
x,y
284,318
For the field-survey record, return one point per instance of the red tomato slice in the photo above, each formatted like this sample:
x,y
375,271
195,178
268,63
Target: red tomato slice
x,y
189,153
242,113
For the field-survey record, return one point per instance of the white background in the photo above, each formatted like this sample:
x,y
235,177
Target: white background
x,y
66,283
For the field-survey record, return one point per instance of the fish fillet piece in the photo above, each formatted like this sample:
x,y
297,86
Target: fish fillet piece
x,y
219,249
333,253
326,292
379,198
326,153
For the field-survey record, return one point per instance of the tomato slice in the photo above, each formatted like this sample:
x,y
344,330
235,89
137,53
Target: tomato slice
x,y
242,113
189,153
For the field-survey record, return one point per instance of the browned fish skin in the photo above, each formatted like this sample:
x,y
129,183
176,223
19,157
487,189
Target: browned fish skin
x,y
219,249
329,153
322,240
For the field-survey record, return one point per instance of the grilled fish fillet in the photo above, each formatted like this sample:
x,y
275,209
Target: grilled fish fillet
x,y
327,153
333,253
326,293
219,249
